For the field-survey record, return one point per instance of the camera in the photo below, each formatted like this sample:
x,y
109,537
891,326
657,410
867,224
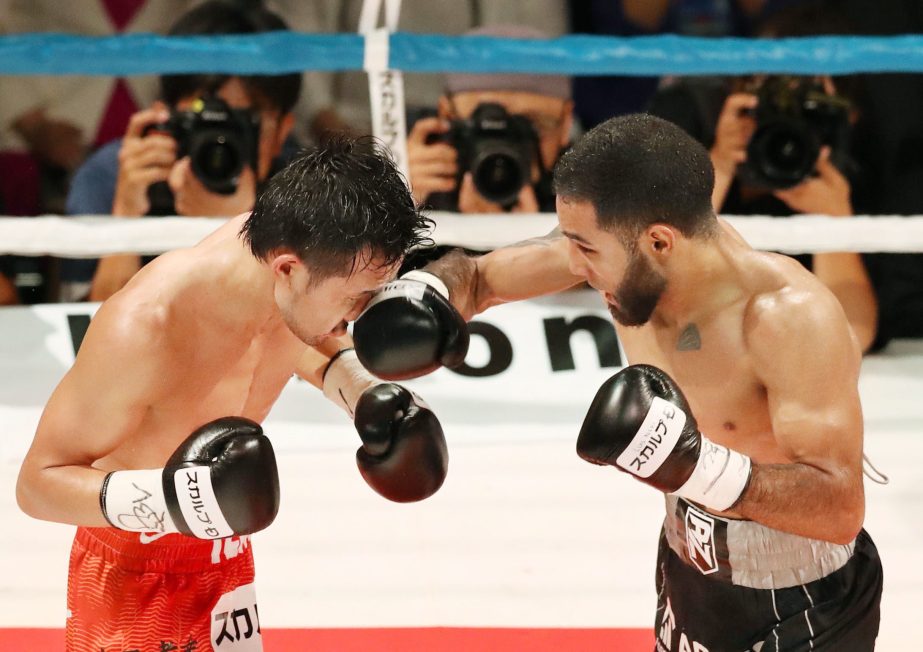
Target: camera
x,y
795,117
219,141
497,148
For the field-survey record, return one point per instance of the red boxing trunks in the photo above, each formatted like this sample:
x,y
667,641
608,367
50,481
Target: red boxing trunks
x,y
142,593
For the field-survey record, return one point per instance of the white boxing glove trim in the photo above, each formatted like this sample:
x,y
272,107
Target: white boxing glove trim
x,y
430,279
655,440
395,289
134,501
719,478
415,289
200,508
346,379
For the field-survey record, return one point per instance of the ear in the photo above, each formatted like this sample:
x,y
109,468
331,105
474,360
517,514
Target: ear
x,y
659,240
285,266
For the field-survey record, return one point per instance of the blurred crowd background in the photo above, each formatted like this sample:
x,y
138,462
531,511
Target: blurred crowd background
x,y
203,144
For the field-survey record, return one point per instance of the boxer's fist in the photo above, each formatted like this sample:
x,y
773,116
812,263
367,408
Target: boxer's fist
x,y
221,481
233,459
641,423
403,455
410,329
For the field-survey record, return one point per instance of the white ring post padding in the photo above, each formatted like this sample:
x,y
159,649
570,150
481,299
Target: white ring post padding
x,y
94,236
376,50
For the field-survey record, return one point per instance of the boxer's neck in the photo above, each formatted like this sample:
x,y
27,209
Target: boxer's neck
x,y
702,279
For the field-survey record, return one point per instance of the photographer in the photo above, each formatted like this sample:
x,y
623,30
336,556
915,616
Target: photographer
x,y
494,142
782,146
759,172
202,151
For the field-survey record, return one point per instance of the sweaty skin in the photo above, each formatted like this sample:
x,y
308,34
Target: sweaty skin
x,y
194,336
761,349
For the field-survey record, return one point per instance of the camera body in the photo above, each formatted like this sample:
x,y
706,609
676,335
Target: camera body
x,y
795,117
498,149
219,141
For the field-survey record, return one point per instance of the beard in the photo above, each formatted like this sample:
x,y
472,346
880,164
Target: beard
x,y
639,292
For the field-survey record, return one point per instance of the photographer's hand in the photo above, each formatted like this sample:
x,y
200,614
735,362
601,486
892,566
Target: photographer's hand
x,y
843,272
824,194
143,160
471,201
192,198
432,166
732,134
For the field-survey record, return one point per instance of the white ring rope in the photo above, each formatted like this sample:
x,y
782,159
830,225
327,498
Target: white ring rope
x,y
97,235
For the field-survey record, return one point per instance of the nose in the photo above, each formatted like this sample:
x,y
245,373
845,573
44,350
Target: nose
x,y
575,262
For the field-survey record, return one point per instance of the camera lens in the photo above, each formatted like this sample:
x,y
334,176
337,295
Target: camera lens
x,y
783,154
217,161
498,176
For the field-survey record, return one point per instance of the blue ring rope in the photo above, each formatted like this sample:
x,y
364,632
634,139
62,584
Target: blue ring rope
x,y
285,52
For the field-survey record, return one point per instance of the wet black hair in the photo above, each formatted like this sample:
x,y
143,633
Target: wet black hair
x,y
334,205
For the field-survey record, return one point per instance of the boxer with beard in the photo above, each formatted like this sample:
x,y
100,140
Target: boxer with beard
x,y
762,546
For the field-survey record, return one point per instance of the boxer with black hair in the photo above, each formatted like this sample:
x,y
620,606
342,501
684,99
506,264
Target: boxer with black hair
x,y
151,443
741,403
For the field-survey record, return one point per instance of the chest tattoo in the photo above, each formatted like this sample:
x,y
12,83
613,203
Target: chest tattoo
x,y
689,339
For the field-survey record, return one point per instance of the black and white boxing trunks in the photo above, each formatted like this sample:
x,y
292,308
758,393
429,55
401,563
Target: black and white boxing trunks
x,y
727,585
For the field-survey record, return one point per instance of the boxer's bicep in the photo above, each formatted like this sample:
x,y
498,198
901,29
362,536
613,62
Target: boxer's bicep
x,y
122,370
101,402
809,366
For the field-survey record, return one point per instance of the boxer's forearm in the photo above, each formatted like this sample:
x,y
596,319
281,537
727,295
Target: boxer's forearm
x,y
531,268
805,500
459,272
62,494
313,362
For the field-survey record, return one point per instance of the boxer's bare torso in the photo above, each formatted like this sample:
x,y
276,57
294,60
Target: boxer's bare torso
x,y
220,354
760,348
711,356
196,335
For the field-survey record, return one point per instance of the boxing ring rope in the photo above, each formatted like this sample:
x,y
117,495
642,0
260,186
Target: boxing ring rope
x,y
545,401
284,52
93,236
380,50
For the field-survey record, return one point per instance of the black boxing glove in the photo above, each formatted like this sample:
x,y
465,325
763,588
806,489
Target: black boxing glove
x,y
221,481
410,329
403,456
641,423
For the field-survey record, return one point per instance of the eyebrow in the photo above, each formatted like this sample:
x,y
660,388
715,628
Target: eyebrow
x,y
576,238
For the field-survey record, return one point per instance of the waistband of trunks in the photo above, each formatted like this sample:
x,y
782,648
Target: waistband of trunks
x,y
746,553
166,553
